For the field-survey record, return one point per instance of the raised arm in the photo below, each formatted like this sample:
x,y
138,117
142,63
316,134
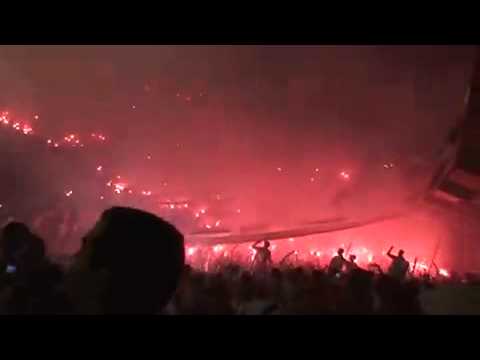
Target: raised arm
x,y
255,245
389,253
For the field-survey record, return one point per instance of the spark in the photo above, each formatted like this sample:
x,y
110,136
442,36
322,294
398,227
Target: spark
x,y
444,272
217,248
345,175
191,251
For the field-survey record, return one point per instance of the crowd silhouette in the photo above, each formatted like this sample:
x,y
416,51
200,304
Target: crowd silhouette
x,y
133,262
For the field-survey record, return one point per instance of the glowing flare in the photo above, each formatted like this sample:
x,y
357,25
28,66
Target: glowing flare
x,y
217,248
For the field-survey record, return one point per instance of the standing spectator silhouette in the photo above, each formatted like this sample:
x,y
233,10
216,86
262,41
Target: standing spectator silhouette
x,y
399,267
30,284
130,263
337,263
263,256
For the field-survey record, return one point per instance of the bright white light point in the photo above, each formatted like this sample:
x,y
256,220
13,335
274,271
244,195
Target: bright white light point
x,y
185,206
203,211
1,206
279,169
99,168
444,272
36,117
312,179
217,224
69,193
134,107
317,170
291,239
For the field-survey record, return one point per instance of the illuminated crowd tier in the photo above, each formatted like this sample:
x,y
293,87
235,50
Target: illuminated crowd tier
x,y
214,214
291,252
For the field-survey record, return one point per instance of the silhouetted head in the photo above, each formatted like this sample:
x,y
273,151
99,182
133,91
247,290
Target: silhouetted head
x,y
140,258
340,251
401,252
267,244
19,246
352,258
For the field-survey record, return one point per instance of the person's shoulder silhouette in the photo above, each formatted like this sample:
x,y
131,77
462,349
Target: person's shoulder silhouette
x,y
140,256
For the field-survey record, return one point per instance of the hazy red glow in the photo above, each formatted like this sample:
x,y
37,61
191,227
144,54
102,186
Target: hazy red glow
x,y
251,137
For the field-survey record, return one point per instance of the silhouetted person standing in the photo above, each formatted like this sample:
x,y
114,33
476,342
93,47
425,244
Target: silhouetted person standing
x,y
399,267
30,284
351,265
337,263
263,256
